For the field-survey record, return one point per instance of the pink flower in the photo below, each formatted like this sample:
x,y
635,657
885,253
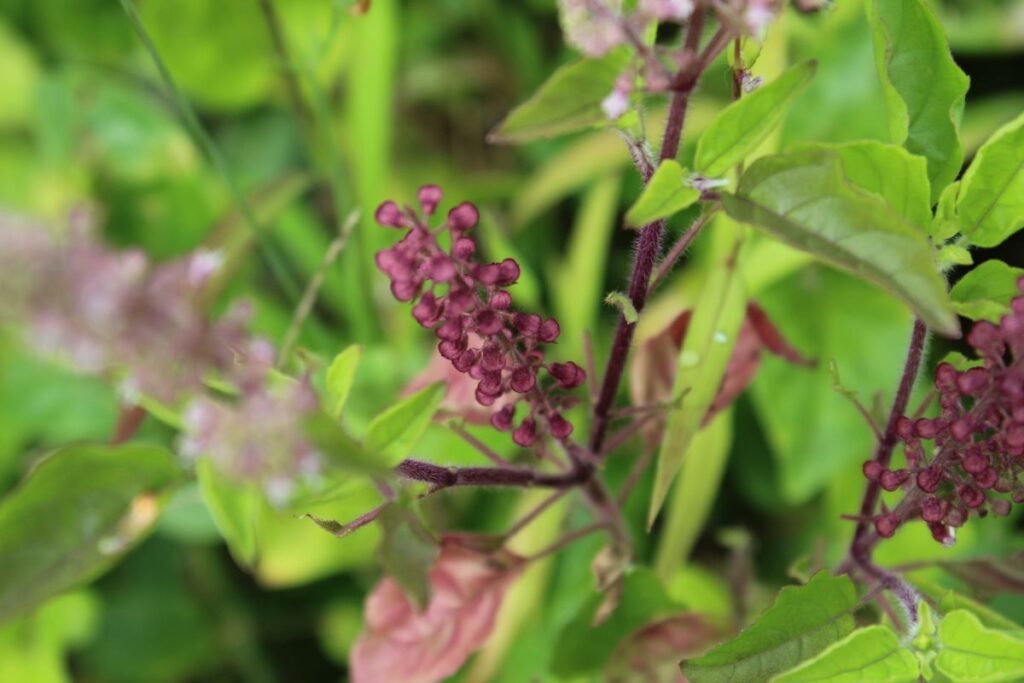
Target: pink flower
x,y
591,26
402,644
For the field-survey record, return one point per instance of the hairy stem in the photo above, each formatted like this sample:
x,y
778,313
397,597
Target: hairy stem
x,y
648,244
447,477
860,550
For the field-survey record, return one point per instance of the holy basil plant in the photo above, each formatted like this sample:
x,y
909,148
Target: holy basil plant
x,y
425,424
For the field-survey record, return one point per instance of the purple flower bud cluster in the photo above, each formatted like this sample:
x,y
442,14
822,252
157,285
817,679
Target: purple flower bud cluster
x,y
467,305
977,458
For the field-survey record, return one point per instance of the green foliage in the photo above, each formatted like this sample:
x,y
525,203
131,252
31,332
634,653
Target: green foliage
x,y
804,199
568,101
802,622
702,361
340,376
234,508
924,88
891,172
972,653
694,492
392,435
587,642
668,193
984,293
873,653
742,126
91,504
990,204
407,551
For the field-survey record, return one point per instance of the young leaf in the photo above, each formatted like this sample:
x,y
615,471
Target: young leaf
x,y
803,199
235,509
393,434
622,302
871,654
924,88
945,224
949,600
802,622
744,124
569,100
701,364
340,377
407,552
891,172
991,201
78,510
665,195
984,293
584,647
972,653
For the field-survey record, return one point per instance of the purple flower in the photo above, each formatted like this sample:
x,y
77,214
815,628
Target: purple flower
x,y
467,306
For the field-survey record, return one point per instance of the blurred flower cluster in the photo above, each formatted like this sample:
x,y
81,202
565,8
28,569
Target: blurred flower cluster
x,y
977,457
595,27
468,306
113,313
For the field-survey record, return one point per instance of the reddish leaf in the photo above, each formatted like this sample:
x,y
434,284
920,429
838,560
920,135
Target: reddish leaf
x,y
653,370
402,644
652,654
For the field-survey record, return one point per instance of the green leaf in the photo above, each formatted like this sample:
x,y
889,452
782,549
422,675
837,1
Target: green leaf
x,y
984,293
584,646
392,434
949,600
991,201
407,551
625,305
946,223
924,88
340,376
701,363
871,654
666,194
891,172
803,199
972,653
235,508
744,124
823,313
694,493
802,622
78,510
568,101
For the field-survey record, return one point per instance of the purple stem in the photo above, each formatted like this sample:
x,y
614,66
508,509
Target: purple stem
x,y
446,477
648,244
860,550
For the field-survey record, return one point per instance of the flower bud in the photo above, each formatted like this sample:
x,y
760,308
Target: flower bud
x,y
463,217
525,433
389,215
429,197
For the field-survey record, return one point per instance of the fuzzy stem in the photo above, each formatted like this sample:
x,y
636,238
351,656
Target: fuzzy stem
x,y
445,477
648,244
860,550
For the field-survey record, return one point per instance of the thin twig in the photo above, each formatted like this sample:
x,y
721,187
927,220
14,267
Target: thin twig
x,y
566,540
533,514
476,443
635,472
192,123
678,249
305,306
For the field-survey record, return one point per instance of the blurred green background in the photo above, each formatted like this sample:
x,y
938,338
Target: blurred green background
x,y
264,155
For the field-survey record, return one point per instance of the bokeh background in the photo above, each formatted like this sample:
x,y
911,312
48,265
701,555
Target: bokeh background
x,y
359,108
